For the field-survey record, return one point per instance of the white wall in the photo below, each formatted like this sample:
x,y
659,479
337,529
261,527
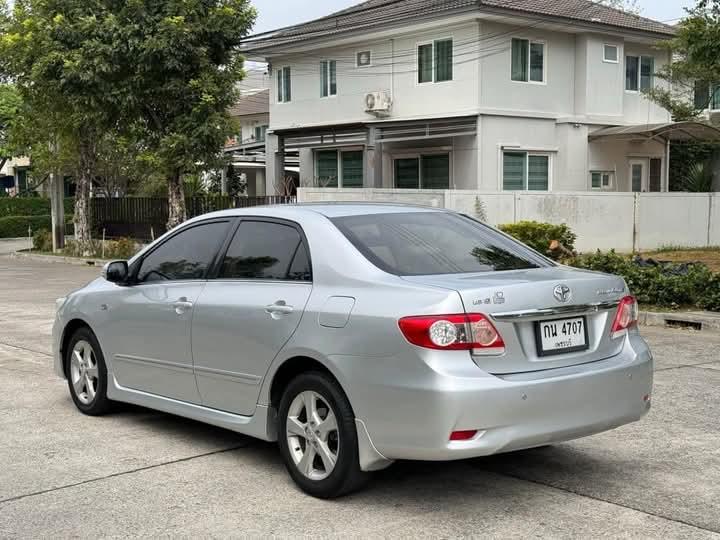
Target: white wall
x,y
394,70
498,91
620,221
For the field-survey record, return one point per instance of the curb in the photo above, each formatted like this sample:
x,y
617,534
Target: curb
x,y
78,261
695,320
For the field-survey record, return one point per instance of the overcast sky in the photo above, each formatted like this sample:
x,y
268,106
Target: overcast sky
x,y
278,13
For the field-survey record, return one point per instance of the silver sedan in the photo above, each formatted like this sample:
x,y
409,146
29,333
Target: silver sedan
x,y
356,335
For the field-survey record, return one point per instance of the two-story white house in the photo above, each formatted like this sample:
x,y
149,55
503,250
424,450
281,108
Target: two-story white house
x,y
492,95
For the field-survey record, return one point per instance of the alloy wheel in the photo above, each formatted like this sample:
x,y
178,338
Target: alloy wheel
x,y
312,435
84,374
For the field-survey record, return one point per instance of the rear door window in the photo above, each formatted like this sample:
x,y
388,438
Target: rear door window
x,y
266,250
427,243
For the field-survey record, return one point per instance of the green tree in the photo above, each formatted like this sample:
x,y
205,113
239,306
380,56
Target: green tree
x,y
10,103
58,55
177,78
692,78
696,63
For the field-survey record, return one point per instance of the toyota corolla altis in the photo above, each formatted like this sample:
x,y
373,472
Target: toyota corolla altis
x,y
355,335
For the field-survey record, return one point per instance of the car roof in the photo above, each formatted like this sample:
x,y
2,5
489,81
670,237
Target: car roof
x,y
327,209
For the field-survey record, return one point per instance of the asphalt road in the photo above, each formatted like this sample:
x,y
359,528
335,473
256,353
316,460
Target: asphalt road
x,y
142,473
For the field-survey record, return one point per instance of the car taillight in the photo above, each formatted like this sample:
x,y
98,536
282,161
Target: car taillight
x,y
626,317
462,332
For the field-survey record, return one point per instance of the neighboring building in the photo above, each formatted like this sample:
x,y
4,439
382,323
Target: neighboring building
x,y
14,176
247,148
471,94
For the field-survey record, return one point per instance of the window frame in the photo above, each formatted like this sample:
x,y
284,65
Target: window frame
x,y
338,161
639,72
136,263
528,153
617,53
432,43
418,156
328,80
281,95
263,132
215,274
530,43
602,172
357,57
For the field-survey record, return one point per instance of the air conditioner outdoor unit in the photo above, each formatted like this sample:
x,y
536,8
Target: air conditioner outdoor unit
x,y
378,103
714,117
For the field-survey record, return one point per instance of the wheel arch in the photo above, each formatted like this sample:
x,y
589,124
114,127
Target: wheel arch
x,y
290,368
72,326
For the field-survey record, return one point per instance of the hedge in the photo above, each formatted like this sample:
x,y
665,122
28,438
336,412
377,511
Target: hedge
x,y
30,206
17,226
663,284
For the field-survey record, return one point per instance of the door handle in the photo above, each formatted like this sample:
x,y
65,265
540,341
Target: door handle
x,y
182,305
279,308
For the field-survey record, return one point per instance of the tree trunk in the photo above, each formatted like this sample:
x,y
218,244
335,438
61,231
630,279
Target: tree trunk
x,y
176,201
81,220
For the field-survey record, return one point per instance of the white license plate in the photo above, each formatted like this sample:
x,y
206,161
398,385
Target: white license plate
x,y
561,336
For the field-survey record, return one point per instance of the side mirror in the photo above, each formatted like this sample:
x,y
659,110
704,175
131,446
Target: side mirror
x,y
116,272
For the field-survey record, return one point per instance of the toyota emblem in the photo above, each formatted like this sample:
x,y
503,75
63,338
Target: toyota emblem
x,y
562,293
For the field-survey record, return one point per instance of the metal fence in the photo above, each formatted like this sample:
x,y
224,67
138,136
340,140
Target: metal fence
x,y
145,218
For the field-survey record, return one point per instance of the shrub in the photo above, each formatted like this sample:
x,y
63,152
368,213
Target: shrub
x,y
710,298
123,248
539,235
17,226
666,285
42,240
30,206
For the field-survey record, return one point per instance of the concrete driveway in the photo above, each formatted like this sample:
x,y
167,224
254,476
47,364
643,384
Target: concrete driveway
x,y
142,473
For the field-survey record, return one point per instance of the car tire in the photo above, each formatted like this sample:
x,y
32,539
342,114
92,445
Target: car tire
x,y
308,443
86,373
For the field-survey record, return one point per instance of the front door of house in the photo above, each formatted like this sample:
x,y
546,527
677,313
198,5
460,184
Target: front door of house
x,y
638,175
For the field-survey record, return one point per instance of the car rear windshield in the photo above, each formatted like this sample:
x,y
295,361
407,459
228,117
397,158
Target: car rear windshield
x,y
427,243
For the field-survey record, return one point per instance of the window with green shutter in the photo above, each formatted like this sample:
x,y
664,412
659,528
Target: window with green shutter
x,y
639,73
435,171
283,85
352,169
328,78
527,60
435,61
425,63
426,171
407,173
339,168
520,59
538,173
443,60
327,168
514,170
525,171
632,72
647,72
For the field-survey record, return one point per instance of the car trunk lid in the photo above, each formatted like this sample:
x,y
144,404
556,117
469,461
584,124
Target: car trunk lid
x,y
518,300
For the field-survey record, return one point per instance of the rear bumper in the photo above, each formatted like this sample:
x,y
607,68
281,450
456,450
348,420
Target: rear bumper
x,y
412,418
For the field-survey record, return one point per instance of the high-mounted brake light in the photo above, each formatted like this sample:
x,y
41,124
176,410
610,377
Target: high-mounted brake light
x,y
625,318
461,332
